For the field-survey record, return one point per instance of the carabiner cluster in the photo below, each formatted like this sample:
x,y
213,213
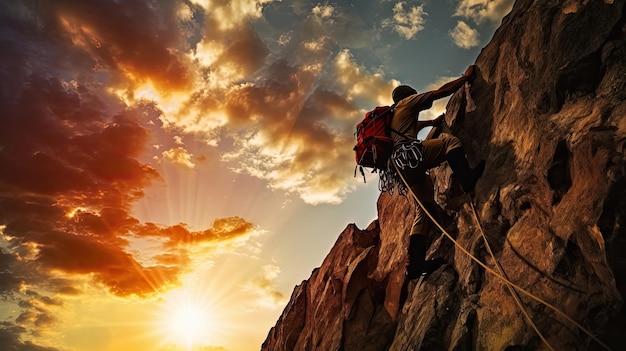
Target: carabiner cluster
x,y
408,155
389,181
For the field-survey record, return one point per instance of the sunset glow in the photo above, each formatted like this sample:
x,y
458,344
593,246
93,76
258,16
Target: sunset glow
x,y
188,321
170,170
168,102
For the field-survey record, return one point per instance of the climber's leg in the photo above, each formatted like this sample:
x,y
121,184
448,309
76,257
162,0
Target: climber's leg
x,y
417,253
422,226
462,171
434,150
449,148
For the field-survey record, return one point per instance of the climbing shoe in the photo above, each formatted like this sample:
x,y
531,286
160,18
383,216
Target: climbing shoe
x,y
432,265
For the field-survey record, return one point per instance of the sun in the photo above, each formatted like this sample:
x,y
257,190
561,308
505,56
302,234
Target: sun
x,y
187,321
190,323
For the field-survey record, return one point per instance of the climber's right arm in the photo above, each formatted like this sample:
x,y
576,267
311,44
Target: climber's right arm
x,y
430,123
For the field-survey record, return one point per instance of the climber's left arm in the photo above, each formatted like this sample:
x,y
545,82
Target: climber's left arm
x,y
450,87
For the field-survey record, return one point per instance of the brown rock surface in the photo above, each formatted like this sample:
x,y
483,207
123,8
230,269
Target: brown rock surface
x,y
547,111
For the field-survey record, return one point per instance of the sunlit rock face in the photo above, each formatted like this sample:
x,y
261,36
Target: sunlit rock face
x,y
547,111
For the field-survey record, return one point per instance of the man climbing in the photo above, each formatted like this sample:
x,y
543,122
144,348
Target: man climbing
x,y
433,152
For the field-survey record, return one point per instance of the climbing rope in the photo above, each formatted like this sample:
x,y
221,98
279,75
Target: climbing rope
x,y
502,277
510,286
512,291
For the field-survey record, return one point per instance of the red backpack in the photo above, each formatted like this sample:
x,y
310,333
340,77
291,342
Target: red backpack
x,y
373,139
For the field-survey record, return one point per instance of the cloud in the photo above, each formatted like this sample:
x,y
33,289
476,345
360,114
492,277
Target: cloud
x,y
179,156
464,36
406,22
480,10
231,13
87,87
264,288
285,117
243,55
71,148
10,339
323,11
130,37
302,141
223,230
290,121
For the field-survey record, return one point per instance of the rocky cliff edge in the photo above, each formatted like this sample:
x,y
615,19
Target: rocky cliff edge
x,y
547,111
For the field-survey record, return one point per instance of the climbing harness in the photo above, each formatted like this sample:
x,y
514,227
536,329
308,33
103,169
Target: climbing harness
x,y
405,155
389,182
501,275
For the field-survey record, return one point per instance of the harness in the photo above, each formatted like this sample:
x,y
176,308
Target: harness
x,y
405,155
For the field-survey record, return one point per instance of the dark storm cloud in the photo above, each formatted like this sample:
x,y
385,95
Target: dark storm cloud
x,y
10,341
133,37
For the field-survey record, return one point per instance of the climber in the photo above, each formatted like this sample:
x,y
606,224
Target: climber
x,y
445,147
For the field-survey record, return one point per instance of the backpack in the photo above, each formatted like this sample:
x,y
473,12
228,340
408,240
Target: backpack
x,y
373,139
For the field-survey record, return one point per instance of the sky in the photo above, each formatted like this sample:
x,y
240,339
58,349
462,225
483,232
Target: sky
x,y
171,169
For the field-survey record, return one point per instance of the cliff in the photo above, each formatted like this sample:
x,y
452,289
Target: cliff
x,y
547,111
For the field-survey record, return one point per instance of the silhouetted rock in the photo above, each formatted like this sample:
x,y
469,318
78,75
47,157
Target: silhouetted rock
x,y
547,111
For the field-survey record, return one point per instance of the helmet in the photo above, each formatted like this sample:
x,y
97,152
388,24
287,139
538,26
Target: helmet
x,y
401,92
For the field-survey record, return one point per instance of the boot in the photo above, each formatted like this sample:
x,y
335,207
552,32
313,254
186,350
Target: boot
x,y
417,265
462,171
417,253
432,265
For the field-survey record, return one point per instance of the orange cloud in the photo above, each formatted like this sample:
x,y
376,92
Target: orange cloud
x,y
222,230
245,54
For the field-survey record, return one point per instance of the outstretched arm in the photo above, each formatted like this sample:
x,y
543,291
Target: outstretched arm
x,y
450,87
430,123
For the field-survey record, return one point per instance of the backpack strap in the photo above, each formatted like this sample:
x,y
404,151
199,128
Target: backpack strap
x,y
392,109
402,134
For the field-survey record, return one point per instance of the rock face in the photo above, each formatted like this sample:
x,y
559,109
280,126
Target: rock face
x,y
547,111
